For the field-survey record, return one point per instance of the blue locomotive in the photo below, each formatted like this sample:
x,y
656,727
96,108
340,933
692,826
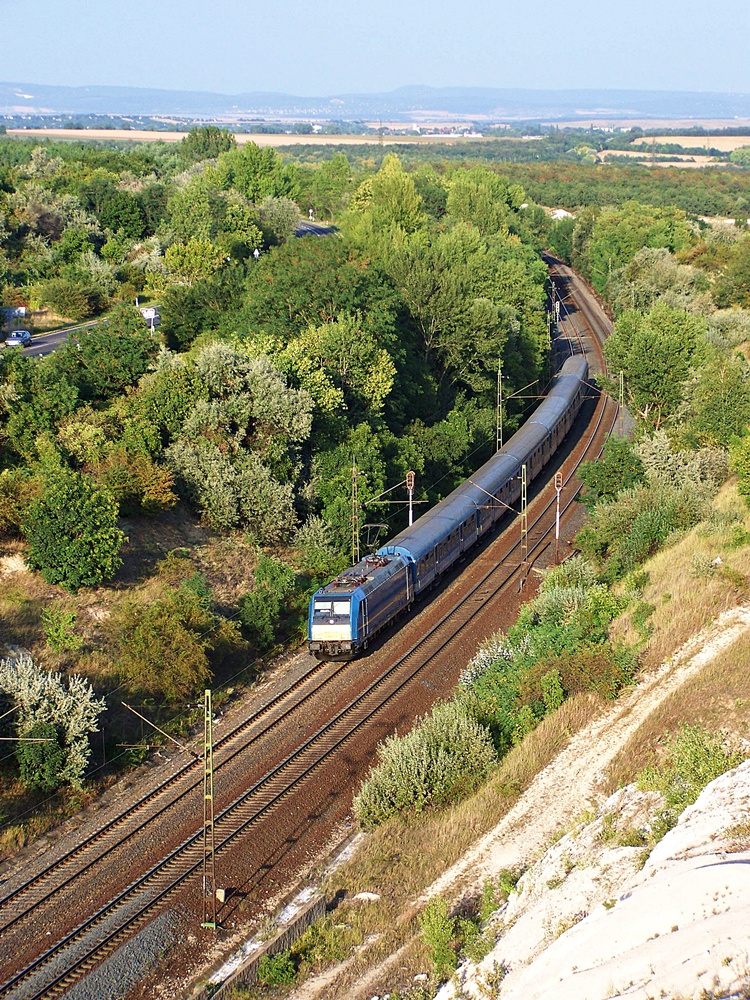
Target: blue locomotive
x,y
348,611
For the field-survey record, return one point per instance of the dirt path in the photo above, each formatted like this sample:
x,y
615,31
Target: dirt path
x,y
565,788
568,784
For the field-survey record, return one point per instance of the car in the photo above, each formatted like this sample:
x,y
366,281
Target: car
x,y
19,338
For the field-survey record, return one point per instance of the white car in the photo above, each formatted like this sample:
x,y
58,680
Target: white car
x,y
19,338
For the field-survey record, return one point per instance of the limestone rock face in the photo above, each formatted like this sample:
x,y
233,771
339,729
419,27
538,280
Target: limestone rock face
x,y
589,921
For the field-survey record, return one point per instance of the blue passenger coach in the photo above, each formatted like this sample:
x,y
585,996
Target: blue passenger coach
x,y
349,610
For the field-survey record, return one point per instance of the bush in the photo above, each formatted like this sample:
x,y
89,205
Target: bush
x,y
277,970
444,757
59,631
17,491
72,532
47,699
622,533
694,757
41,764
438,930
260,610
557,648
164,646
617,469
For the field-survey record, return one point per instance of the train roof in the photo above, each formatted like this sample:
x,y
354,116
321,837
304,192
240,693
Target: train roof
x,y
364,577
419,539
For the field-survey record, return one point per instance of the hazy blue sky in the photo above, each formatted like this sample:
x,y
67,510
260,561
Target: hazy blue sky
x,y
317,47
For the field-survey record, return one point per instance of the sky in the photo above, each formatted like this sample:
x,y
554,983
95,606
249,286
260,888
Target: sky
x,y
321,47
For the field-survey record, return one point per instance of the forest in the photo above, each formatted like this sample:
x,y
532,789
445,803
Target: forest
x,y
178,494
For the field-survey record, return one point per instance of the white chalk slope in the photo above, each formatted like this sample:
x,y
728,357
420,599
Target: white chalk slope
x,y
588,924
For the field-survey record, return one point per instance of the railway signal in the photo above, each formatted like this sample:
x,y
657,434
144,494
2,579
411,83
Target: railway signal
x,y
410,479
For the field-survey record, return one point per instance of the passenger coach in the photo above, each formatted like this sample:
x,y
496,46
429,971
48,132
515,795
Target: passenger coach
x,y
348,611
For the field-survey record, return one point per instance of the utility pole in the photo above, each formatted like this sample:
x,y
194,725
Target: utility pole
x,y
355,515
621,404
209,844
558,487
524,519
410,490
499,418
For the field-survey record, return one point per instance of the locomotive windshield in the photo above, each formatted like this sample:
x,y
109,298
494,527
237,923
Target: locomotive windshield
x,y
326,609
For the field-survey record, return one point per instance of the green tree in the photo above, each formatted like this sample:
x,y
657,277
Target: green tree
x,y
330,184
192,261
312,281
483,198
733,285
655,352
111,356
279,218
123,211
197,210
619,468
617,234
341,366
187,311
256,173
72,532
717,400
386,204
37,395
205,143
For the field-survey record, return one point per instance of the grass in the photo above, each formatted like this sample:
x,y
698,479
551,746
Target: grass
x,y
400,858
717,698
227,566
683,602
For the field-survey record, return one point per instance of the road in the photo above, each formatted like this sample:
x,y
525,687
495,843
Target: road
x,y
46,343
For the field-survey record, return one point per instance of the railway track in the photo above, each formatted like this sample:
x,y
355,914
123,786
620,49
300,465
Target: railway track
x,y
52,973
42,886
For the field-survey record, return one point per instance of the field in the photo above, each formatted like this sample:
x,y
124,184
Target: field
x,y
684,160
724,143
260,139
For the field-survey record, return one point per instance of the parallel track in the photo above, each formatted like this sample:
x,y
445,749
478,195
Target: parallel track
x,y
91,941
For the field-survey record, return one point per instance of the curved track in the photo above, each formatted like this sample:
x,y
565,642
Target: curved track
x,y
324,737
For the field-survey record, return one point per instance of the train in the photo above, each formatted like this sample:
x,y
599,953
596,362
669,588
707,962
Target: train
x,y
346,613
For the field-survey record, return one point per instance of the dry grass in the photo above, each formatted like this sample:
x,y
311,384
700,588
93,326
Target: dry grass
x,y
725,143
400,858
685,602
718,698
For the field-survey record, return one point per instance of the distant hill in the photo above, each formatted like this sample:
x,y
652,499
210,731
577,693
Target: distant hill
x,y
406,103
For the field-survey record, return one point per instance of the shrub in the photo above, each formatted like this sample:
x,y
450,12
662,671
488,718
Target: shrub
x,y
163,646
72,532
623,532
47,699
694,757
617,469
260,610
17,491
445,756
438,929
277,970
59,631
41,764
707,467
